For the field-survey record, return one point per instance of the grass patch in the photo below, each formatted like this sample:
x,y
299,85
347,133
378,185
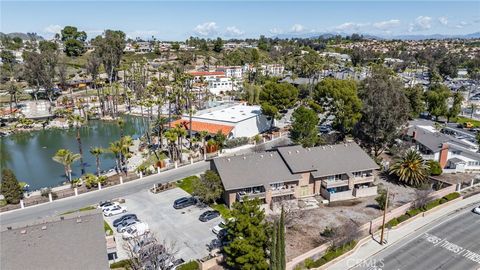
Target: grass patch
x,y
86,208
191,265
462,120
121,264
107,228
223,209
187,183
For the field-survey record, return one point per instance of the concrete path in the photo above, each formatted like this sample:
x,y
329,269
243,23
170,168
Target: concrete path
x,y
372,255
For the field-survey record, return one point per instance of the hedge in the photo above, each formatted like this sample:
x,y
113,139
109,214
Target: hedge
x,y
120,264
191,265
415,211
331,254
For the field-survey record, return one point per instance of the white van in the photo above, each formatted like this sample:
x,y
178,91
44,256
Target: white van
x,y
135,230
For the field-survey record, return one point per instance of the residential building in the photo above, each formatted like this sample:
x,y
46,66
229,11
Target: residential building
x,y
73,241
233,121
336,172
231,71
275,70
198,76
454,155
220,86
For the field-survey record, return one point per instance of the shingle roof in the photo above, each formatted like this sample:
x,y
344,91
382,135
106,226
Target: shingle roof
x,y
433,140
204,126
327,160
76,242
252,170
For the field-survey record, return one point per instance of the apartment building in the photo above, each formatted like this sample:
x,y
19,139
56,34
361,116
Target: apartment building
x,y
231,71
336,172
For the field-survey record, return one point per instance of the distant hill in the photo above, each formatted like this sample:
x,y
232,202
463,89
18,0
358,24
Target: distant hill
x,y
23,36
369,36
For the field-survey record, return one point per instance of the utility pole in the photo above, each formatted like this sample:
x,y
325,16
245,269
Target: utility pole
x,y
384,215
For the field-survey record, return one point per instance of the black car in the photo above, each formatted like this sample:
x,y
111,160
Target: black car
x,y
184,202
123,218
209,215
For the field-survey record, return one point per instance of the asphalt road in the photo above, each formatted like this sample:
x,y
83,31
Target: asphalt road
x,y
57,207
451,244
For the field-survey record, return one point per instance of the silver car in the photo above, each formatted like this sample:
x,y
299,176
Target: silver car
x,y
122,227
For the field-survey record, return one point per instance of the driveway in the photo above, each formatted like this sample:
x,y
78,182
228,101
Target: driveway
x,y
179,228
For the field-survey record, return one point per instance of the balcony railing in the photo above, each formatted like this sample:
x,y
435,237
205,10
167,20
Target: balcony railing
x,y
250,195
282,191
363,179
334,183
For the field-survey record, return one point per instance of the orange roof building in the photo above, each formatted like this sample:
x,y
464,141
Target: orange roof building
x,y
198,126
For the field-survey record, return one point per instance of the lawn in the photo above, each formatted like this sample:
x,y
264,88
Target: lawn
x,y
187,183
223,209
86,208
462,120
107,228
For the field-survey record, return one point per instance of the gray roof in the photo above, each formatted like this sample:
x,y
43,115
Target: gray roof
x,y
434,140
327,160
456,160
76,242
252,170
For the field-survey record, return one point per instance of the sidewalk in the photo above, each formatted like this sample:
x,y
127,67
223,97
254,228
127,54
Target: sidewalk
x,y
372,247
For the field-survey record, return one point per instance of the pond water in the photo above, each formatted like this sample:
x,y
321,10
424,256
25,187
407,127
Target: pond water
x,y
29,154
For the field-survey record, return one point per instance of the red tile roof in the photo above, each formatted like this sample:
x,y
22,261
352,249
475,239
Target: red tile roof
x,y
204,126
206,73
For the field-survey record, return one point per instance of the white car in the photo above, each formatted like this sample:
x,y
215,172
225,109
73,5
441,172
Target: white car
x,y
476,210
114,210
105,205
135,230
222,225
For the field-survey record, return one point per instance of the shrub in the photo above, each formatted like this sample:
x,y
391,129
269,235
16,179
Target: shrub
x,y
332,253
328,232
10,188
392,223
435,168
45,191
120,264
309,263
413,212
236,142
191,265
451,196
402,218
382,196
431,204
443,200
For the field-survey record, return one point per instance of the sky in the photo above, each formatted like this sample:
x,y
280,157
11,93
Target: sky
x,y
240,19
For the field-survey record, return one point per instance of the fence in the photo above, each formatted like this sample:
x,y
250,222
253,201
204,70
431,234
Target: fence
x,y
369,227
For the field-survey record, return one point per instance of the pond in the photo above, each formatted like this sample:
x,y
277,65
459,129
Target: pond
x,y
29,154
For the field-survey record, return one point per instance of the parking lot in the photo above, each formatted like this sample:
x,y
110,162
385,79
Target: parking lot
x,y
180,227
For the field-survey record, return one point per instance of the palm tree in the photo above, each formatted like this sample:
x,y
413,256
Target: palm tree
x,y
116,149
125,144
77,121
203,135
159,128
121,125
411,169
97,151
66,158
172,137
13,91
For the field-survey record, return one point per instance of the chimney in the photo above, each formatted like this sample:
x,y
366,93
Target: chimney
x,y
443,155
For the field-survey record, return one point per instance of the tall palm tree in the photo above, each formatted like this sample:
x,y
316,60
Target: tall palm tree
x,y
116,149
66,158
411,168
203,135
125,144
97,151
77,121
121,125
172,137
159,128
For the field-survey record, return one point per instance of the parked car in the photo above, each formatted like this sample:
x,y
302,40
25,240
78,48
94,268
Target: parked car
x,y
135,230
476,210
209,215
106,204
127,223
222,225
184,202
121,219
114,210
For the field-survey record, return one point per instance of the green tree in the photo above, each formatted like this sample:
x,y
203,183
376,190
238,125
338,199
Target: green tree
x,y
415,100
247,235
411,169
341,99
277,250
304,127
276,97
456,107
97,152
381,198
77,121
73,41
66,158
109,48
384,110
209,187
436,98
10,188
218,45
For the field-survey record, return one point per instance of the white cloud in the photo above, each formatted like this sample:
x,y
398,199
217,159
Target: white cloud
x,y
296,28
443,20
206,29
350,26
421,23
386,25
461,24
53,29
276,31
233,31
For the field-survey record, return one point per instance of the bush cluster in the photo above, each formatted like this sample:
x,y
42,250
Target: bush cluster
x,y
236,142
120,264
330,254
192,265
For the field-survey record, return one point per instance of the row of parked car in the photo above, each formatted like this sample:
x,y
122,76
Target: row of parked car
x,y
185,202
128,225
